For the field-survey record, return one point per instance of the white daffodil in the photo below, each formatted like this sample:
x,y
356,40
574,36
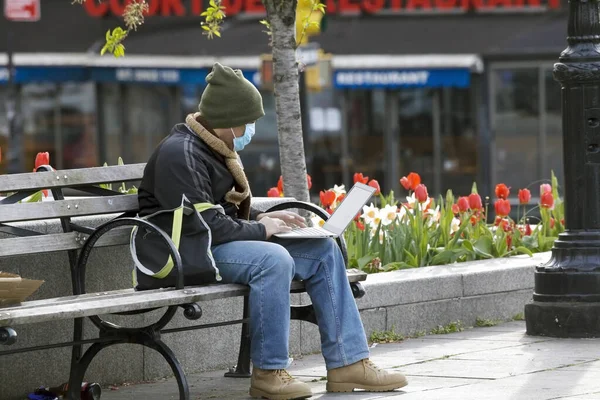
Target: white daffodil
x,y
339,190
371,215
388,214
454,225
433,216
317,221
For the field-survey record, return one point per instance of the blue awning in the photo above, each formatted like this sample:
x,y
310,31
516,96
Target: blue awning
x,y
368,79
158,76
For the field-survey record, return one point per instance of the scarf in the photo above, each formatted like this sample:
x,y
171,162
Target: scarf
x,y
240,195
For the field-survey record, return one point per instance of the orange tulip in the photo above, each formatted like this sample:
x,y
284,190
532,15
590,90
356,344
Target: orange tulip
x,y
358,177
327,198
455,209
411,181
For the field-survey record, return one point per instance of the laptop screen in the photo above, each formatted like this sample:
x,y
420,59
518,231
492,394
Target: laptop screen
x,y
356,198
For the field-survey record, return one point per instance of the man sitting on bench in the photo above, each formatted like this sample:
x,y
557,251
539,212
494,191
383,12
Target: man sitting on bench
x,y
221,238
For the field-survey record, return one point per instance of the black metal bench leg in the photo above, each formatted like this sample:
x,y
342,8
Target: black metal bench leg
x,y
78,368
167,353
242,369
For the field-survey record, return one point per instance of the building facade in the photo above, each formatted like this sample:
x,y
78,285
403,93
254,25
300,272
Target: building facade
x,y
460,91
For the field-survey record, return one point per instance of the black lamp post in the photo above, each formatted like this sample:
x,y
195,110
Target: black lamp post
x,y
566,298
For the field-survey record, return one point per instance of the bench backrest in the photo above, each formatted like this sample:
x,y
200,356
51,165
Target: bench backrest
x,y
76,184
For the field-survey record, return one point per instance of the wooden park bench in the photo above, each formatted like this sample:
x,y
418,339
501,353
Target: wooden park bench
x,y
85,197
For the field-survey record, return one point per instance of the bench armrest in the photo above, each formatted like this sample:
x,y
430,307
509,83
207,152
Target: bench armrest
x,y
119,222
319,212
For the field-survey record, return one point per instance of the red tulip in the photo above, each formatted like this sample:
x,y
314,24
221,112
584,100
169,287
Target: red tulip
x,y
327,198
41,159
360,226
411,181
547,200
280,184
502,207
475,201
341,197
474,220
545,188
358,177
455,209
528,230
463,204
421,193
524,196
509,241
502,191
329,211
552,223
375,184
273,192
504,225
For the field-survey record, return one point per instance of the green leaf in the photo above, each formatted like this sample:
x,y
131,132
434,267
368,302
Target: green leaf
x,y
36,197
474,188
524,250
363,261
483,247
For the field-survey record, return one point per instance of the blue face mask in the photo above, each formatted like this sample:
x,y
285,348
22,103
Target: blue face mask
x,y
240,142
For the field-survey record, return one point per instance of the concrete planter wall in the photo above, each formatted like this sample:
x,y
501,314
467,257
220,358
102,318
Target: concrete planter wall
x,y
409,301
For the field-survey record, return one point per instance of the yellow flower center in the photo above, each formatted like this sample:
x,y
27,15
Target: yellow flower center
x,y
391,215
371,214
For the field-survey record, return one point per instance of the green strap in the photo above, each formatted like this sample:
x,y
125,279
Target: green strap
x,y
176,237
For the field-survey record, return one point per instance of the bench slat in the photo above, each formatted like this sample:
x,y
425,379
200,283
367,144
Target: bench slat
x,y
58,242
74,177
68,208
125,300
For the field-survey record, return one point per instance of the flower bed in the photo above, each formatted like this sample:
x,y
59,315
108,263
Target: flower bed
x,y
391,234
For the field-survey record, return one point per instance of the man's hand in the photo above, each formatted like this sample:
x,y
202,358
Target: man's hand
x,y
290,218
273,225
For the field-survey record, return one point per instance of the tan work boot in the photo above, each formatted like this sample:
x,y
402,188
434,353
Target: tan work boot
x,y
277,384
363,375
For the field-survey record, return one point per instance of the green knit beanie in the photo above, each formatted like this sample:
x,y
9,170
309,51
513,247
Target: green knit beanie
x,y
229,100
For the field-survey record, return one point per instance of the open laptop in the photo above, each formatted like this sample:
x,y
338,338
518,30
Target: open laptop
x,y
354,201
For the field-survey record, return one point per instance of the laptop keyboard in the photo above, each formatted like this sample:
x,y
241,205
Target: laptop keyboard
x,y
309,231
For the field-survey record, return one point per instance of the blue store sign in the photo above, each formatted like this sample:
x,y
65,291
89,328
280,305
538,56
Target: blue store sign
x,y
157,76
402,78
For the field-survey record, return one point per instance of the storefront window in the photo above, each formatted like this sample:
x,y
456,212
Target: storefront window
x,y
112,113
516,126
459,141
3,130
324,140
554,143
149,120
415,123
366,121
77,126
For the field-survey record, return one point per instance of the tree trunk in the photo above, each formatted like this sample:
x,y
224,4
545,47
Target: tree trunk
x,y
282,16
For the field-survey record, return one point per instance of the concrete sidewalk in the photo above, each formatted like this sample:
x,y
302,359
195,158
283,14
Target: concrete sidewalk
x,y
498,362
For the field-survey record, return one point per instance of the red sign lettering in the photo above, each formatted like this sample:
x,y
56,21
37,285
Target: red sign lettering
x,y
373,6
423,4
196,7
349,6
353,7
172,7
96,9
255,7
232,7
445,4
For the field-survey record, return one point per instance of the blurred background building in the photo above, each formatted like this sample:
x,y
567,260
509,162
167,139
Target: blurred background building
x,y
456,90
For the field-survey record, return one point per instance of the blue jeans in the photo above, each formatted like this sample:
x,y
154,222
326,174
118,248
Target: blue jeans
x,y
269,268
